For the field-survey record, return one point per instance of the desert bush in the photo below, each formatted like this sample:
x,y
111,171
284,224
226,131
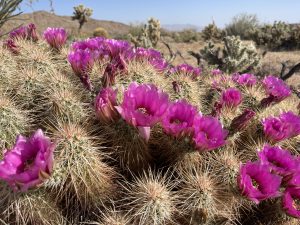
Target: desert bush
x,y
273,36
212,32
241,24
100,32
235,55
186,36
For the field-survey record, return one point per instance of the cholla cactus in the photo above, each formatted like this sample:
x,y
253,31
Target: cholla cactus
x,y
212,32
7,7
272,36
81,14
235,55
150,35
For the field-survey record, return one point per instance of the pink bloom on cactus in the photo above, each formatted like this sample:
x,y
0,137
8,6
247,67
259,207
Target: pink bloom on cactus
x,y
216,72
246,79
19,33
208,133
178,119
276,89
56,37
105,103
81,61
152,56
231,97
257,183
287,125
92,44
280,161
290,201
117,47
31,32
143,106
187,69
28,163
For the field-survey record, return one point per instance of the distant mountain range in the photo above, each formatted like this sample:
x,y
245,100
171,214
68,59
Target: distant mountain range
x,y
180,27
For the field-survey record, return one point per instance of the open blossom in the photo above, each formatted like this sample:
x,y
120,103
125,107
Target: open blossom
x,y
56,37
152,56
231,97
216,72
208,133
241,121
276,89
187,69
143,106
257,183
279,160
246,79
287,125
290,200
178,119
24,32
105,103
81,61
28,163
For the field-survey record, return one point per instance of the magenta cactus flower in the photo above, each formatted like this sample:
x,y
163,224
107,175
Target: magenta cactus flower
x,y
143,106
276,89
231,97
31,32
289,201
28,163
241,121
208,133
279,160
81,61
216,72
257,183
186,69
19,33
153,57
56,37
11,46
178,119
105,103
246,79
287,125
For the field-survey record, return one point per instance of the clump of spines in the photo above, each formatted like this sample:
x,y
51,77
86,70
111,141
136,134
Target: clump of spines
x,y
81,178
149,199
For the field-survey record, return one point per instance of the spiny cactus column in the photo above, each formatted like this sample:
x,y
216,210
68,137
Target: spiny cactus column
x,y
81,14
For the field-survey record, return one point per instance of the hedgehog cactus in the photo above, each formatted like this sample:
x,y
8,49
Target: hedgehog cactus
x,y
138,141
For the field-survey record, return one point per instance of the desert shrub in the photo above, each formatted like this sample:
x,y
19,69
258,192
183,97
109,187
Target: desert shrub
x,y
187,36
212,32
241,24
272,36
100,32
235,55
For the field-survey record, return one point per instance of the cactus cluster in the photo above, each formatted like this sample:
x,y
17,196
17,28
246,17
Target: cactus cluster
x,y
112,134
150,35
275,36
212,33
234,57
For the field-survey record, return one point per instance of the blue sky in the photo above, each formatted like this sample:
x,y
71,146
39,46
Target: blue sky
x,y
196,12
